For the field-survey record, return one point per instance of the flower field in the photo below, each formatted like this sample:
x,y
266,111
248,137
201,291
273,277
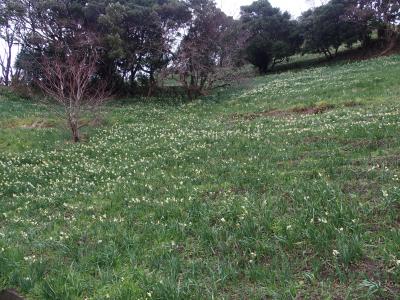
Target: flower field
x,y
286,187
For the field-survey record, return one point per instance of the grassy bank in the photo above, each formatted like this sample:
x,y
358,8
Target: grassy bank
x,y
286,187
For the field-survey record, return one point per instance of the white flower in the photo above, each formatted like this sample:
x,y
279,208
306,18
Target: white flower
x,y
223,220
289,227
335,253
323,220
385,193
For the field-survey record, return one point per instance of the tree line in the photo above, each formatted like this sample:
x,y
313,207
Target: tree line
x,y
139,43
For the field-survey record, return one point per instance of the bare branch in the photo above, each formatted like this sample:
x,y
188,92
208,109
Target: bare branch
x,y
70,80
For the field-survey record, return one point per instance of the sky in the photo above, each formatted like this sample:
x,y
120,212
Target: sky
x,y
294,7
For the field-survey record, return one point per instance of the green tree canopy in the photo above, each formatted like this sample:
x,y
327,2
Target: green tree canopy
x,y
326,28
273,35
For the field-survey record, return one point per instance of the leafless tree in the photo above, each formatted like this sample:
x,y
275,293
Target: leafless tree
x,y
385,12
209,51
70,79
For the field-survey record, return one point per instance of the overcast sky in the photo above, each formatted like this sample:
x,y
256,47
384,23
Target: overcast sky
x,y
295,7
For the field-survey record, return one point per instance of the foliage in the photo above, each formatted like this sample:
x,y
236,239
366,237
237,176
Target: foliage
x,y
273,35
143,42
326,28
136,37
140,38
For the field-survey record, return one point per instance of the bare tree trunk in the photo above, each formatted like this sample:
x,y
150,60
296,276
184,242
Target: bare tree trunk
x,y
8,71
327,52
5,62
152,85
336,50
73,125
393,39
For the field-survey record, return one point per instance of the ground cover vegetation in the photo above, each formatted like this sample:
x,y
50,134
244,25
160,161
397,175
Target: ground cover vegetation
x,y
183,175
287,187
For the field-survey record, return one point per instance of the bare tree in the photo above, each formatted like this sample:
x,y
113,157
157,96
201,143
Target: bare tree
x,y
383,15
209,51
70,79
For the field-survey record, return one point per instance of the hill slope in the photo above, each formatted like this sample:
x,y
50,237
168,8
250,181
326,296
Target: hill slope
x,y
288,187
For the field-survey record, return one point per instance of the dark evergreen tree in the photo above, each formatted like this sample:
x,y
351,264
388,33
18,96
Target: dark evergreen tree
x,y
326,28
273,36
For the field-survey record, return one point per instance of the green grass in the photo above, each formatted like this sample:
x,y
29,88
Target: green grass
x,y
238,195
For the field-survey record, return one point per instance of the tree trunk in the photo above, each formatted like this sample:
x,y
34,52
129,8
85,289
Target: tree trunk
x,y
393,41
336,50
8,70
152,85
327,52
73,125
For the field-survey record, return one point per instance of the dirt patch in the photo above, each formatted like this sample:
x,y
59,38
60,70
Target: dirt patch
x,y
39,124
43,124
389,160
364,143
376,271
379,162
256,115
314,139
352,104
312,110
363,188
10,295
28,124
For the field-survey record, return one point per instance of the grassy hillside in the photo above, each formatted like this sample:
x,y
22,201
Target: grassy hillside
x,y
286,187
